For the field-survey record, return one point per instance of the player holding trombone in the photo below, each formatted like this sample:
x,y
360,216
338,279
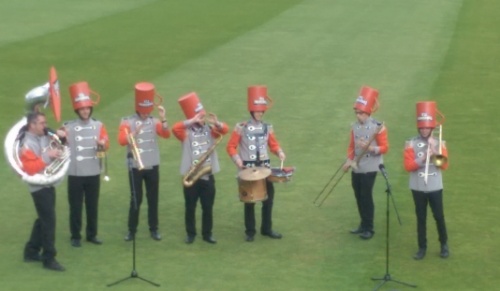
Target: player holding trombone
x,y
368,142
424,158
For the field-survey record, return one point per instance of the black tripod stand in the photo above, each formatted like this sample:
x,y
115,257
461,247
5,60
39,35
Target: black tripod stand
x,y
134,273
387,276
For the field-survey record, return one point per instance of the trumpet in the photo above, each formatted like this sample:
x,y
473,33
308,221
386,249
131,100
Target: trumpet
x,y
134,149
319,201
102,156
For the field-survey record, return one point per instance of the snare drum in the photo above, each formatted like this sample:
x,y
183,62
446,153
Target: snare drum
x,y
281,175
252,191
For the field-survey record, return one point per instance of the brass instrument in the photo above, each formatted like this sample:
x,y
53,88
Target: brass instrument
x,y
103,161
60,161
318,202
439,160
197,169
36,99
135,150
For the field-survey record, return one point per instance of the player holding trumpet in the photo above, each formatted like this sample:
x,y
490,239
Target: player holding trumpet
x,y
85,136
139,132
424,158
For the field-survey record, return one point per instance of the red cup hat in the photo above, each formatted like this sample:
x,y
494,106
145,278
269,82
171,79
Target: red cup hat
x,y
145,96
367,100
191,105
55,96
427,115
258,99
80,95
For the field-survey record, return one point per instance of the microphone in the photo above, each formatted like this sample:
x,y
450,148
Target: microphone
x,y
382,170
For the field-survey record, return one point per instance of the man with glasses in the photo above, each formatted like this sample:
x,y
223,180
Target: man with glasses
x,y
35,156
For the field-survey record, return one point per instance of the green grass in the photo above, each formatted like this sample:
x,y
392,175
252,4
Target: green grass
x,y
314,56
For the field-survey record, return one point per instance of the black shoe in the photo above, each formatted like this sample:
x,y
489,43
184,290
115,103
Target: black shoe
x,y
53,265
419,255
155,235
95,241
445,252
273,234
358,230
75,243
29,258
249,238
210,240
366,235
130,236
189,239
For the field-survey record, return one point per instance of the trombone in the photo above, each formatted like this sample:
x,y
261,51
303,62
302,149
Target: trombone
x,y
319,201
437,159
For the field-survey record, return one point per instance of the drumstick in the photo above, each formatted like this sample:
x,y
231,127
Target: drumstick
x,y
281,165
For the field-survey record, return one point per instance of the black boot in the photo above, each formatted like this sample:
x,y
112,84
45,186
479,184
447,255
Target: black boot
x,y
445,252
420,254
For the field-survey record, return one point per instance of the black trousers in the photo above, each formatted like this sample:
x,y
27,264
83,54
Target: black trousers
x,y
151,182
205,191
435,200
43,234
83,190
267,212
362,184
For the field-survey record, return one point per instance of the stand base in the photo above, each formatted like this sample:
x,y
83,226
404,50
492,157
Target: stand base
x,y
386,278
134,275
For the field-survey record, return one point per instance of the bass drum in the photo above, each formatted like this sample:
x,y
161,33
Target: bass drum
x,y
252,191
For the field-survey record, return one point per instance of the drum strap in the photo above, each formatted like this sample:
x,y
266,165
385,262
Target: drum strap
x,y
264,163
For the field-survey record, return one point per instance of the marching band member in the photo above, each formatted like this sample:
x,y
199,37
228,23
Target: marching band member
x,y
35,155
144,129
426,180
86,136
248,147
199,134
368,142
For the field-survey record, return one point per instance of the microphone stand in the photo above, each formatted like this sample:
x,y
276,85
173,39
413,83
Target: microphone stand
x,y
387,277
134,273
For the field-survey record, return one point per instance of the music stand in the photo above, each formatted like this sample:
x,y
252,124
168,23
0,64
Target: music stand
x,y
134,273
387,277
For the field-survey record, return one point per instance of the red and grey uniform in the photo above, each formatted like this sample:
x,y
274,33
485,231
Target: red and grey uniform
x,y
84,170
415,149
363,176
251,142
84,173
34,161
196,141
148,132
371,160
430,192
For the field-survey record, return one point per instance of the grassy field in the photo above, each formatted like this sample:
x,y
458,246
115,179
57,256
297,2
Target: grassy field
x,y
314,55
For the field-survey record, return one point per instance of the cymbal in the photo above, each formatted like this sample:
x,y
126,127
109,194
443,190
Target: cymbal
x,y
254,173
